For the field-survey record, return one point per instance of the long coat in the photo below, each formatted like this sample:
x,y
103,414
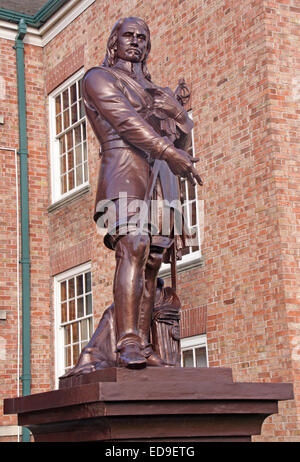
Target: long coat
x,y
130,133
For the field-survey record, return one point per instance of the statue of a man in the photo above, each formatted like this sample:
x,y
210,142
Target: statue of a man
x,y
136,123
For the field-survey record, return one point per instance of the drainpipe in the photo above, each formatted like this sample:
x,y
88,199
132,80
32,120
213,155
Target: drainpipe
x,y
25,258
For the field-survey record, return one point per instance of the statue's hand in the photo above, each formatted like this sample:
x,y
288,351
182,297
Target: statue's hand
x,y
165,102
181,164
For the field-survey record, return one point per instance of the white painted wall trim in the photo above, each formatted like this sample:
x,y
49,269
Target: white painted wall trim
x,y
55,24
8,31
9,430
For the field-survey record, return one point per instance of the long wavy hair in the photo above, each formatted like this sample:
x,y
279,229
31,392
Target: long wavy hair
x,y
112,43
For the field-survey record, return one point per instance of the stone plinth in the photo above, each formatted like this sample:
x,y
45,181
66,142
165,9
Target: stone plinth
x,y
153,404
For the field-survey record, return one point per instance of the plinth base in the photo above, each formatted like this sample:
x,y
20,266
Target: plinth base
x,y
153,404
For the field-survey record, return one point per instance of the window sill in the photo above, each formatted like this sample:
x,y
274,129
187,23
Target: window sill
x,y
68,199
182,266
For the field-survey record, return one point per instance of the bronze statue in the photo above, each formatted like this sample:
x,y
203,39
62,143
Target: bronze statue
x,y
143,130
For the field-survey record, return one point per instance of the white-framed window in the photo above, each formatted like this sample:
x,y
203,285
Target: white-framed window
x,y
73,315
194,351
68,144
193,210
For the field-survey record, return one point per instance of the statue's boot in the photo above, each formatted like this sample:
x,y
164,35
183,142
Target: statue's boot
x,y
131,355
145,318
131,255
152,358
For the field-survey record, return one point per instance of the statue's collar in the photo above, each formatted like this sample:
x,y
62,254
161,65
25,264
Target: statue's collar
x,y
133,69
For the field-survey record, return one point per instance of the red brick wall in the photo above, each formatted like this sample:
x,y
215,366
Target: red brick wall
x,y
38,220
38,223
283,98
8,239
241,60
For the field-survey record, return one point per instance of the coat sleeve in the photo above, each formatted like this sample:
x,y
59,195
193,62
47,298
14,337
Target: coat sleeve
x,y
182,121
101,91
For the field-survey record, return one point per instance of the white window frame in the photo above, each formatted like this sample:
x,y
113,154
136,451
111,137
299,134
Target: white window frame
x,y
192,343
54,143
58,330
192,258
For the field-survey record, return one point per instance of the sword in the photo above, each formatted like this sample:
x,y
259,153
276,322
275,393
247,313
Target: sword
x,y
144,215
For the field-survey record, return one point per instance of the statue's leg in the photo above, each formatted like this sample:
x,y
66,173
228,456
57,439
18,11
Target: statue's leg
x,y
152,267
131,256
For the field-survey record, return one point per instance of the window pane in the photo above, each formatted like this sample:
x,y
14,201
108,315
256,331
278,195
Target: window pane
x,y
183,190
67,332
74,114
90,321
71,180
191,191
201,357
193,214
71,286
84,329
58,124
69,140
79,284
72,310
73,93
62,145
187,357
66,117
64,312
185,213
70,160
81,109
78,154
84,151
75,332
63,291
77,134
68,357
88,304
64,184
88,286
75,353
185,251
57,105
83,131
80,308
65,97
79,175
63,164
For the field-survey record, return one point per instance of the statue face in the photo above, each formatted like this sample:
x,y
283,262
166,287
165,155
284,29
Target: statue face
x,y
132,42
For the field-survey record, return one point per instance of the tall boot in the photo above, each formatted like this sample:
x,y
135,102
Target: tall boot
x,y
146,310
131,255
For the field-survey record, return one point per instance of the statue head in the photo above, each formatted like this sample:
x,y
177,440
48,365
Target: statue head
x,y
115,43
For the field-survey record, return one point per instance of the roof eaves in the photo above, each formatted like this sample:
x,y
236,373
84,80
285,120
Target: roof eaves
x,y
38,19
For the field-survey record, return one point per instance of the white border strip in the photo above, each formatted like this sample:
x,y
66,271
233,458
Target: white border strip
x,y
9,430
8,31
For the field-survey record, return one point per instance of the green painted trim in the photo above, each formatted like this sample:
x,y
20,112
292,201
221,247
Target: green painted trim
x,y
37,20
25,254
